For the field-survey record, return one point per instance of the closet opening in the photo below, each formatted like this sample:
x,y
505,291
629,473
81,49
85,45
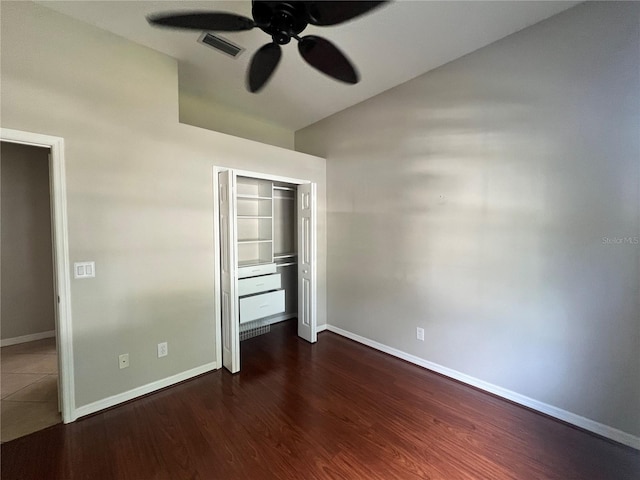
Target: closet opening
x,y
267,243
267,254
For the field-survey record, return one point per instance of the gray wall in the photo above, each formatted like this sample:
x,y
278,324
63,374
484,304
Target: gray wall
x,y
475,201
204,112
139,193
25,246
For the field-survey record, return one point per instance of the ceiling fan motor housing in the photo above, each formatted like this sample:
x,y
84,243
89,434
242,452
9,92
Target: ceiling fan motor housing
x,y
281,20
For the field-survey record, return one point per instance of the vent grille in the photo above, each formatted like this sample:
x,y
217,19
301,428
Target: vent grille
x,y
221,44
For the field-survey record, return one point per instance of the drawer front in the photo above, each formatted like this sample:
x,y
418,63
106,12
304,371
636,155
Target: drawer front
x,y
244,272
259,306
247,286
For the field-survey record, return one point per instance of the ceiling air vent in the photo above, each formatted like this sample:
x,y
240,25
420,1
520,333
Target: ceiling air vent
x,y
221,44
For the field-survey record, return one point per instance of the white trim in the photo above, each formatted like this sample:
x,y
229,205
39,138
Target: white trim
x,y
577,420
322,328
5,342
217,315
143,390
61,259
280,317
266,176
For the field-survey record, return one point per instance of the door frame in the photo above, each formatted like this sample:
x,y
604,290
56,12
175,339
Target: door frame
x,y
216,241
62,277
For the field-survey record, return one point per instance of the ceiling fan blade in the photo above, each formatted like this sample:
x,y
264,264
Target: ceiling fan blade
x,y
323,55
263,64
324,13
215,21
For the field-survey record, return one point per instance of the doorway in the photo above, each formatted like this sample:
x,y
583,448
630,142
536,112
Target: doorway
x,y
264,227
51,347
29,366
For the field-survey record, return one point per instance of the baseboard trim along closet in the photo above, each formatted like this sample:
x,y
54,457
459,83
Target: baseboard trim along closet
x,y
577,420
27,338
282,317
143,390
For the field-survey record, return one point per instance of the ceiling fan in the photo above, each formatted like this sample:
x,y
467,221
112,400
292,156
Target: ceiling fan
x,y
282,20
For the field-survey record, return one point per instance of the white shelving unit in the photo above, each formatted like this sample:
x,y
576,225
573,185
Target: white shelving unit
x,y
254,221
260,292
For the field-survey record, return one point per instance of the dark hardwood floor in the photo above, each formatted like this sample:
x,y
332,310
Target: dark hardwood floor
x,y
335,409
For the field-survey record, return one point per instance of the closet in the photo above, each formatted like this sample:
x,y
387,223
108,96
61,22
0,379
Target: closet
x,y
267,257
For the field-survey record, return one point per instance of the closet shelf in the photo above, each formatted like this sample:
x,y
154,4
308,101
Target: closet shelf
x,y
253,262
288,264
253,197
254,240
254,216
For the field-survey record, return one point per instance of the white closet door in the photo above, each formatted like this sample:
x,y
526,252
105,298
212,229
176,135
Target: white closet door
x,y
307,262
228,272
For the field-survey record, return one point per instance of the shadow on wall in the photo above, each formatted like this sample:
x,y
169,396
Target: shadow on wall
x,y
476,208
178,316
151,236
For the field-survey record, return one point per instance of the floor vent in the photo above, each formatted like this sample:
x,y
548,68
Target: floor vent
x,y
254,332
221,44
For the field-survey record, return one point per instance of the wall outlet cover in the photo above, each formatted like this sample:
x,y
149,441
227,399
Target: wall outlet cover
x,y
123,360
163,349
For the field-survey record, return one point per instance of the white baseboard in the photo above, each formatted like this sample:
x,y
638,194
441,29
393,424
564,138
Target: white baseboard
x,y
143,390
5,342
282,317
321,328
577,420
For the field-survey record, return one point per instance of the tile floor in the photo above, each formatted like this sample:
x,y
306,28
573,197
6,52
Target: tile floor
x,y
29,388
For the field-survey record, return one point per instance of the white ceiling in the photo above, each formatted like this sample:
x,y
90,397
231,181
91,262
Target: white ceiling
x,y
389,46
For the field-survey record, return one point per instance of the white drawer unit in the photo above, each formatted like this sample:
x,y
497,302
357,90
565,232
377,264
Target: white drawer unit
x,y
255,270
259,306
249,286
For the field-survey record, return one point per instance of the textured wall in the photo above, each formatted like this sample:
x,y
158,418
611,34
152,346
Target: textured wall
x,y
488,202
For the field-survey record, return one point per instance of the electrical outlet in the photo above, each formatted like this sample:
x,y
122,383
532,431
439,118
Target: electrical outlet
x,y
123,360
163,349
420,333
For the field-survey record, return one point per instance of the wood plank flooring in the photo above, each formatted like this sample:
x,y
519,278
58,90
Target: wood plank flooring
x,y
335,409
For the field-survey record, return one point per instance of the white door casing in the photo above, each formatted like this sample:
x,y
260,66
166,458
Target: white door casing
x,y
307,251
56,313
228,272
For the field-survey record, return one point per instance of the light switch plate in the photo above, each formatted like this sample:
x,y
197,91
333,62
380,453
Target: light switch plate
x,y
84,269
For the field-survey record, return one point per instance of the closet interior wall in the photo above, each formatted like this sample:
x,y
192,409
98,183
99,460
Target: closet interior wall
x,y
285,244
